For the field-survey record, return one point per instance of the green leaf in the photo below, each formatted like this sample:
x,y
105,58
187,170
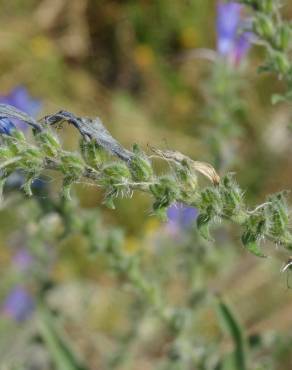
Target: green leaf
x,y
254,248
203,223
235,330
61,354
249,240
109,202
2,184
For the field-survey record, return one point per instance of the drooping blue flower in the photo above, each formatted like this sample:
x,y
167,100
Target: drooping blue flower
x,y
232,42
181,216
6,126
19,304
20,98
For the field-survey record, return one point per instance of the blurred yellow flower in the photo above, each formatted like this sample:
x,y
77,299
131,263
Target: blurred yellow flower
x,y
132,245
144,56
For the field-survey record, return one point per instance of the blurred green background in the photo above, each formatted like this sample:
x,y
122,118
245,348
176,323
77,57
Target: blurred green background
x,y
129,63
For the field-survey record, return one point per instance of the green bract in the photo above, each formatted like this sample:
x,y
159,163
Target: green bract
x,y
130,171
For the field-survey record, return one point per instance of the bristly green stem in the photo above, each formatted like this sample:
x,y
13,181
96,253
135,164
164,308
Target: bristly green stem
x,y
133,170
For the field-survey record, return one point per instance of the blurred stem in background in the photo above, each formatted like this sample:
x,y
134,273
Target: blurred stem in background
x,y
224,105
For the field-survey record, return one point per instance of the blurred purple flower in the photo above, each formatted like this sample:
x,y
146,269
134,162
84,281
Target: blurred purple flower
x,y
242,46
181,216
231,43
22,260
19,98
19,304
228,16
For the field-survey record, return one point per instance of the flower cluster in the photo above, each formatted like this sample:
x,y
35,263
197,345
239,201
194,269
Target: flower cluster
x,y
180,218
19,304
232,41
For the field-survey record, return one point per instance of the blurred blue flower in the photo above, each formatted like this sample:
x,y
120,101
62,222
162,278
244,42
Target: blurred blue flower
x,y
19,98
228,16
19,304
231,43
181,216
6,126
242,46
16,180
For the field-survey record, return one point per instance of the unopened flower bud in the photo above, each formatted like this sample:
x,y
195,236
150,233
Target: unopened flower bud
x,y
264,27
283,37
281,63
49,142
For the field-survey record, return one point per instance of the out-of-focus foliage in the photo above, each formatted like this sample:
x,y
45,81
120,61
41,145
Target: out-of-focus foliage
x,y
144,298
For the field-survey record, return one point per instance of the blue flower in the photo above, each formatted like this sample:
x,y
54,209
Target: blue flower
x,y
181,216
19,98
6,126
232,44
242,46
16,180
19,304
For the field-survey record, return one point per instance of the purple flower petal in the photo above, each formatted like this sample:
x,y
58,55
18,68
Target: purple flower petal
x,y
242,46
189,215
228,16
19,304
181,216
20,99
173,212
231,44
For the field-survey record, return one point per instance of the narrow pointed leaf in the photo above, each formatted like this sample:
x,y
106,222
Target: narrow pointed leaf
x,y
61,354
203,224
250,242
235,330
